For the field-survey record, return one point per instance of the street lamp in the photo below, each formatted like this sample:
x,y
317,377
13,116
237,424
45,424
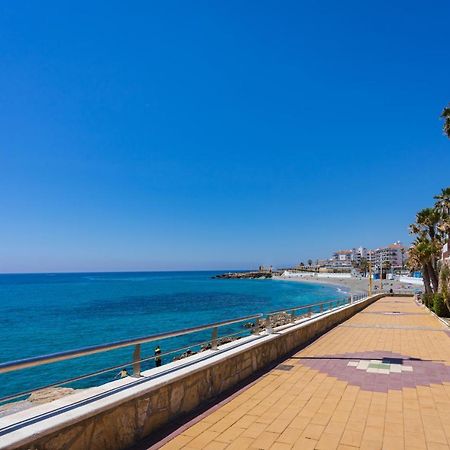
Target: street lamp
x,y
381,271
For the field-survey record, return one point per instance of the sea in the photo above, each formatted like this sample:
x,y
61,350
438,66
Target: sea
x,y
47,313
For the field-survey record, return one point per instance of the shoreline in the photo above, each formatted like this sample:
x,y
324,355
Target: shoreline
x,y
350,285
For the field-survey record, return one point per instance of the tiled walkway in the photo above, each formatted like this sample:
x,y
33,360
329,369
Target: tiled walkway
x,y
381,380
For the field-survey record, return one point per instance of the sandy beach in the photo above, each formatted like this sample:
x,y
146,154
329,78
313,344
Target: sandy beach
x,y
353,285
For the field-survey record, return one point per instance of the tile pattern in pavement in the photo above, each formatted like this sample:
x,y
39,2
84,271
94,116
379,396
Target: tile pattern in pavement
x,y
377,381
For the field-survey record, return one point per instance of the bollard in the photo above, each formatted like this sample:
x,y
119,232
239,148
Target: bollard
x,y
214,344
269,325
137,361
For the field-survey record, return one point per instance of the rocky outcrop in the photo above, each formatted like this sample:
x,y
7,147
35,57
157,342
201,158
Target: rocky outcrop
x,y
240,275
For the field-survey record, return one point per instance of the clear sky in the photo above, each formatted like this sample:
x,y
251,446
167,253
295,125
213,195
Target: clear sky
x,y
216,134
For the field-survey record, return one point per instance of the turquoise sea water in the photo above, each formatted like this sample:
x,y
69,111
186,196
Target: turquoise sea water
x,y
47,313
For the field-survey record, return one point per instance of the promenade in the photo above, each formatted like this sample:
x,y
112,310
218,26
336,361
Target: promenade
x,y
380,380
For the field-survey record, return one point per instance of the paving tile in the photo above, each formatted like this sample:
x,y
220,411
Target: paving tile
x,y
280,446
313,431
305,444
436,446
278,426
351,438
178,442
414,440
254,430
265,440
299,422
203,439
393,443
196,429
289,435
328,442
230,434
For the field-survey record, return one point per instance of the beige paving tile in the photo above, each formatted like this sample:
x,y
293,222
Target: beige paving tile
x,y
313,431
203,439
216,445
264,440
305,444
230,434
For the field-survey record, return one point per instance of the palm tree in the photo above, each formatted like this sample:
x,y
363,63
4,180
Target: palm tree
x,y
446,116
443,201
442,205
427,221
417,261
426,226
421,255
364,266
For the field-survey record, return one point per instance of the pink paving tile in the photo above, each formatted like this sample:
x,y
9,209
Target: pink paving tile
x,y
422,373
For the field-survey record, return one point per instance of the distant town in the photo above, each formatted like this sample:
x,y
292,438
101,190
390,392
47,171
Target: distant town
x,y
356,262
391,257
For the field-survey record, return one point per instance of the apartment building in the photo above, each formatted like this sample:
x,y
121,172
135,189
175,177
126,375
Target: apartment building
x,y
393,255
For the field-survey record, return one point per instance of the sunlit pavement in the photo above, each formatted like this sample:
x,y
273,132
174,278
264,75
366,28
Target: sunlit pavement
x,y
379,380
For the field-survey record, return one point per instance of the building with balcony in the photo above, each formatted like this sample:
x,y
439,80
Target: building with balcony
x,y
393,256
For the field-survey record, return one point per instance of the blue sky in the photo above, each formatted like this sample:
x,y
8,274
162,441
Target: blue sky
x,y
196,135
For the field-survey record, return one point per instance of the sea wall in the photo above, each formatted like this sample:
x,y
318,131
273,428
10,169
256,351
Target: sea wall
x,y
309,275
115,423
411,280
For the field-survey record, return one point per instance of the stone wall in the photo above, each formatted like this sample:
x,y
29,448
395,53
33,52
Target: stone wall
x,y
129,422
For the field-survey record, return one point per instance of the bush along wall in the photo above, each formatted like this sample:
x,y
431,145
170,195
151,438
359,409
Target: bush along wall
x,y
439,306
428,300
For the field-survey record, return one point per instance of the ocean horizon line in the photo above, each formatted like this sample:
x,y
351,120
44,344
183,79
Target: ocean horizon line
x,y
124,271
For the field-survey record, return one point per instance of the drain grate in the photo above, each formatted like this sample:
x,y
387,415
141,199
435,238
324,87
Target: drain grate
x,y
284,367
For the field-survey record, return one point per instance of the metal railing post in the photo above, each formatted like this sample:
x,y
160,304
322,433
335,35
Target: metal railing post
x,y
137,361
321,308
269,328
309,311
214,336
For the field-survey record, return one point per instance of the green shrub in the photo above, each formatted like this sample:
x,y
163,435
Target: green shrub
x,y
427,300
439,306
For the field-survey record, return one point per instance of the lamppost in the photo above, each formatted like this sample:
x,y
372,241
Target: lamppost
x,y
381,271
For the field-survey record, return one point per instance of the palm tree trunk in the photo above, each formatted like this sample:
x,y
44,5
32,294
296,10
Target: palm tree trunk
x,y
433,277
426,279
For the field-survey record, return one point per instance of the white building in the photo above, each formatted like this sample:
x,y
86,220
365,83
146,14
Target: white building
x,y
358,254
393,255
341,258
